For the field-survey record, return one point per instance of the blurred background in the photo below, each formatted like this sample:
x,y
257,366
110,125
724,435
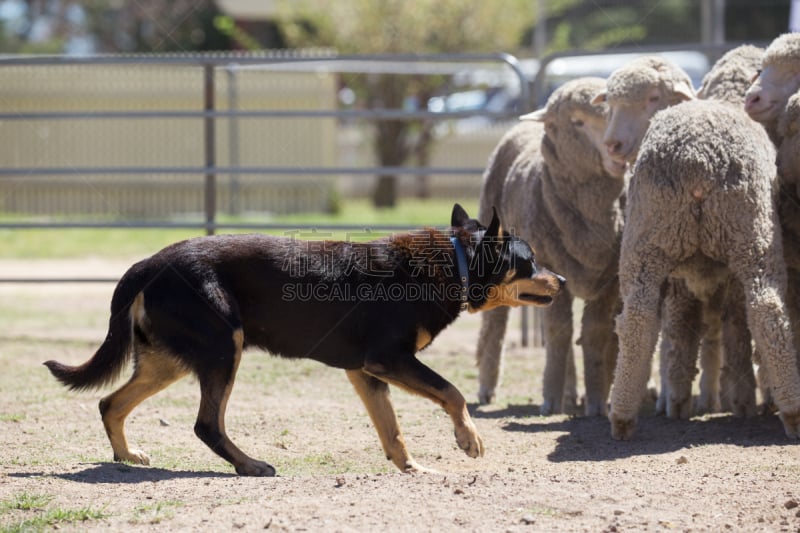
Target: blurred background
x,y
204,115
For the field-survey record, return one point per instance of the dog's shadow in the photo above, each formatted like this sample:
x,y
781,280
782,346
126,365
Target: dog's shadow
x,y
582,438
115,473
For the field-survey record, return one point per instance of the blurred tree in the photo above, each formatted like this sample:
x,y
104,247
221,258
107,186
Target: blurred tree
x,y
156,25
403,26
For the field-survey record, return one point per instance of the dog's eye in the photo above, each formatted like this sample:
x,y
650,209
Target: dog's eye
x,y
578,123
654,98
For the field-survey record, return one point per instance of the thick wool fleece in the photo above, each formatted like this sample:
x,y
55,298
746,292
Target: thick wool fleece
x,y
634,80
784,49
731,75
557,195
701,200
788,162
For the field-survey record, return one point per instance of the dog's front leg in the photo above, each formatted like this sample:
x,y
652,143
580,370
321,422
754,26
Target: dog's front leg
x,y
408,372
375,395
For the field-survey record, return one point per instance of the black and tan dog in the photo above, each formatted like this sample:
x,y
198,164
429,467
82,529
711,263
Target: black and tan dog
x,y
364,307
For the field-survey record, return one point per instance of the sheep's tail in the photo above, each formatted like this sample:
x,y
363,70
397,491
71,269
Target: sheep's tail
x,y
107,363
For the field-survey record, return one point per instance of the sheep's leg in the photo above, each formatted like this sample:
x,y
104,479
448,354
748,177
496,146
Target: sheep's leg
x,y
570,383
599,345
760,268
736,379
557,321
682,325
643,271
490,352
663,392
793,307
711,354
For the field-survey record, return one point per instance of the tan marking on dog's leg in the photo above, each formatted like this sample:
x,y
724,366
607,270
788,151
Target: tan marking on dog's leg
x,y
375,395
210,425
451,400
155,370
423,338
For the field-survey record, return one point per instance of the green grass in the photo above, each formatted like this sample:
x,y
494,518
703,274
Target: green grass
x,y
43,518
127,243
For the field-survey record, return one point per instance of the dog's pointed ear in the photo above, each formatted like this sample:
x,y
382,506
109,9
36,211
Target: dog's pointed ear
x,y
459,217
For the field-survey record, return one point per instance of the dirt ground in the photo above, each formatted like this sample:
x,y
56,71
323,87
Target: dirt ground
x,y
559,473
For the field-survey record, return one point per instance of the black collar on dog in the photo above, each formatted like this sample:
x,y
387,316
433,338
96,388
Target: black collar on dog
x,y
463,270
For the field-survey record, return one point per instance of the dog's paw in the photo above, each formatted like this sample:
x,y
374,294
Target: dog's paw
x,y
468,440
791,424
622,428
137,457
413,467
255,468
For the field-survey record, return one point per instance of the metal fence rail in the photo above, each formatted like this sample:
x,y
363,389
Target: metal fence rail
x,y
211,65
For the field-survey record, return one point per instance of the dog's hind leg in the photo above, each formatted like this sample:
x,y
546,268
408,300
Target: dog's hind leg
x,y
215,389
154,371
406,371
375,395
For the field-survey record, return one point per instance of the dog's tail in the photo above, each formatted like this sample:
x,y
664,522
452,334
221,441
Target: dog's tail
x,y
107,363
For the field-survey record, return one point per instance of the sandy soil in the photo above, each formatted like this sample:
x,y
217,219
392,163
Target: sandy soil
x,y
559,473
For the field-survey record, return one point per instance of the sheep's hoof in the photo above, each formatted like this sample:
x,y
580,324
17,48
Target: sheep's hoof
x,y
596,408
680,409
791,424
549,407
485,396
622,428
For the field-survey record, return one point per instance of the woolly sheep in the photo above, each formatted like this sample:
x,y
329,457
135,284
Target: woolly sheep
x,y
562,193
727,81
778,79
700,208
731,75
787,132
635,92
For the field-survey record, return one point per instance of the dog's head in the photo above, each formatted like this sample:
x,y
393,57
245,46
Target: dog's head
x,y
502,268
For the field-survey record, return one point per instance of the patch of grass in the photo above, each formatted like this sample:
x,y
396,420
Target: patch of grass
x,y
26,502
44,518
155,513
126,243
12,417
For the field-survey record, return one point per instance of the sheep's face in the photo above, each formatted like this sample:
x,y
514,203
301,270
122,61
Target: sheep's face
x,y
628,121
634,94
771,89
574,130
593,127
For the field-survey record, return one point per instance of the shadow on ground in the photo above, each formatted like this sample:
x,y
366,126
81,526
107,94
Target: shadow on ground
x,y
122,473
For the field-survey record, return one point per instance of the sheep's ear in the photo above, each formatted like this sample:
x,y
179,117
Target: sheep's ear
x,y
684,91
600,98
537,116
459,217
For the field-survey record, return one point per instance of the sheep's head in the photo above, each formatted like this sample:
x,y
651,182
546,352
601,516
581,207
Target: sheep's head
x,y
634,93
574,130
789,150
777,80
731,75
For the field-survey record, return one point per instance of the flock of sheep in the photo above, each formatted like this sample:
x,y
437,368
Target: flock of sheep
x,y
671,213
